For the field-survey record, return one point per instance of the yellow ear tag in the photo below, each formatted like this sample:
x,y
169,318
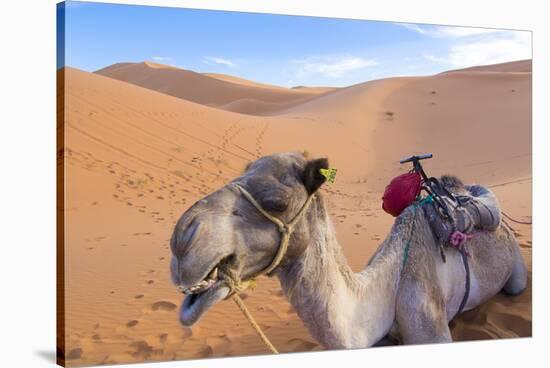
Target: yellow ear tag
x,y
330,174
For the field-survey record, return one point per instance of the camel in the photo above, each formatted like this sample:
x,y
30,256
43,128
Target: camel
x,y
223,240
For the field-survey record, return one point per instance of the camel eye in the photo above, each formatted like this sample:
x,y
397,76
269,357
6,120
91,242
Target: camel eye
x,y
236,213
274,204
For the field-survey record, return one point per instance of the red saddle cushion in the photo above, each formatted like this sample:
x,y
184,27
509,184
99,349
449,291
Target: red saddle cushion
x,y
401,193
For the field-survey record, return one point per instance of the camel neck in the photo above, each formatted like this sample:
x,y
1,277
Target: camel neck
x,y
343,309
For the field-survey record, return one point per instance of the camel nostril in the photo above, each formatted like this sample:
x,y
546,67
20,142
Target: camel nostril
x,y
189,234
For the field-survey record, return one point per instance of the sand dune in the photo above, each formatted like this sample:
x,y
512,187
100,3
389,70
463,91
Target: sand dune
x,y
211,90
521,66
137,158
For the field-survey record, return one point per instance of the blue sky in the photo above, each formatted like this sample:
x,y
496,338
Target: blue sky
x,y
277,49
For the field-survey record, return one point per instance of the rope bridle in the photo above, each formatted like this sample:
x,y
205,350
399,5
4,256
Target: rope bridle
x,y
286,230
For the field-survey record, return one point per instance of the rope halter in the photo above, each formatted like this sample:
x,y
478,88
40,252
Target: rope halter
x,y
286,229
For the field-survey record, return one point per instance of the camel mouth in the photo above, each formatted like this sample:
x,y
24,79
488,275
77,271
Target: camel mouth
x,y
195,305
204,294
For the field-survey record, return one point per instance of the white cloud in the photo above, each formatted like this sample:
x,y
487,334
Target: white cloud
x,y
450,31
332,67
413,27
220,61
162,58
457,32
488,50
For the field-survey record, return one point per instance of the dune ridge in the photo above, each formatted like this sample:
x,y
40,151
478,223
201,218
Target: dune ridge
x,y
211,90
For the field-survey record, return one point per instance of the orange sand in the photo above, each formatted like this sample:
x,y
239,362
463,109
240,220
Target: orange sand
x,y
136,158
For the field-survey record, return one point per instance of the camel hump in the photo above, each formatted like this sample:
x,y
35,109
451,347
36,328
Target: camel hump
x,y
452,183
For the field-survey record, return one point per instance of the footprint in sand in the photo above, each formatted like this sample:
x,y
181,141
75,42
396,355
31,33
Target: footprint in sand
x,y
468,333
205,352
301,345
143,349
219,345
276,292
132,323
74,354
139,296
163,337
512,322
163,306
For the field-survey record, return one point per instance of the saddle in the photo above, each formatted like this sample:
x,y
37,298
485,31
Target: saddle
x,y
467,209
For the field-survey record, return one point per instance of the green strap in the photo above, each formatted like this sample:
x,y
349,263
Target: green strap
x,y
406,254
428,199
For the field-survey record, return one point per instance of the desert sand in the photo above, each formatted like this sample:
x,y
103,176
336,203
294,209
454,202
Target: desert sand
x,y
144,141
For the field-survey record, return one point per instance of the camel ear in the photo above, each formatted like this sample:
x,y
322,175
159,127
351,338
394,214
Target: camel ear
x,y
312,177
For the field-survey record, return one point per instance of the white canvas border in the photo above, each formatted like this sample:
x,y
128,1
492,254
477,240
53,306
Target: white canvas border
x,y
27,328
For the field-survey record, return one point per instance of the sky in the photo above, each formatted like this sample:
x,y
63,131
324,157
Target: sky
x,y
276,49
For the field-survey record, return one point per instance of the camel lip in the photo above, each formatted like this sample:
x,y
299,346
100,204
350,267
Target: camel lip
x,y
207,282
220,265
195,305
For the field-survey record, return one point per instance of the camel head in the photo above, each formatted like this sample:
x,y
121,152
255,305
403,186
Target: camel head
x,y
223,239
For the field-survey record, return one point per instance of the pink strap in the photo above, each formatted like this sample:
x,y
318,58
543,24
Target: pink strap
x,y
458,239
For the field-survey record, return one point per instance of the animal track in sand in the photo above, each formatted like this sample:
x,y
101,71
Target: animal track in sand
x,y
139,296
163,306
276,292
514,323
74,354
144,350
301,345
205,352
132,323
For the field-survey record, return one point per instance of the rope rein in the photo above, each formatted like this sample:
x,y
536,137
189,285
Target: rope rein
x,y
286,230
516,221
237,299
